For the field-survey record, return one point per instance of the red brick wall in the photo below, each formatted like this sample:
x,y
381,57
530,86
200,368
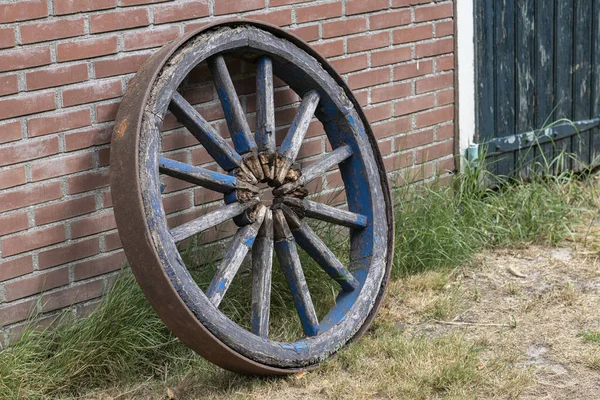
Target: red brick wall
x,y
64,65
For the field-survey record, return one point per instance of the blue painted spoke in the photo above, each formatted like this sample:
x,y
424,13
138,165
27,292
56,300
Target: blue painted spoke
x,y
265,108
243,141
326,213
293,140
317,169
209,220
314,246
204,177
262,262
212,141
285,247
242,241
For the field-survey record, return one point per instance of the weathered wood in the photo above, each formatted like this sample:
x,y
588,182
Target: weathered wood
x,y
209,220
595,133
485,70
326,213
318,251
204,177
212,141
582,77
293,140
262,262
234,113
292,269
265,108
317,169
229,266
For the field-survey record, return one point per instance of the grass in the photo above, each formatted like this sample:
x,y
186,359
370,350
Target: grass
x,y
122,347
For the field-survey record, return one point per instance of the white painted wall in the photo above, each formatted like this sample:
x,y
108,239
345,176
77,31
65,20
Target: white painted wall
x,y
465,36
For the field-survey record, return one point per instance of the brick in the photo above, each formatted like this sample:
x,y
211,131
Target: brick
x,y
107,111
392,128
72,295
344,27
237,6
56,76
368,42
180,11
32,240
307,33
9,84
398,161
445,28
87,181
95,91
435,48
119,20
435,83
444,63
415,104
7,38
392,56
445,132
438,11
391,92
28,150
415,139
69,253
99,266
93,224
12,313
62,7
11,131
414,69
330,49
13,223
350,63
275,3
379,112
126,3
362,6
369,78
434,117
445,97
37,284
65,209
14,268
120,66
51,30
112,241
406,3
104,157
12,177
94,136
318,12
177,202
389,19
23,11
13,60
413,34
278,17
29,195
53,167
436,151
86,48
58,122
148,38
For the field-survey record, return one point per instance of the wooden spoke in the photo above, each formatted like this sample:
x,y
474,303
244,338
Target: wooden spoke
x,y
292,268
326,213
265,108
204,177
209,220
291,144
212,141
242,241
317,169
262,262
314,246
234,114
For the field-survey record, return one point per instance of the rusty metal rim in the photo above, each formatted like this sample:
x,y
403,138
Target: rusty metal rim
x,y
123,173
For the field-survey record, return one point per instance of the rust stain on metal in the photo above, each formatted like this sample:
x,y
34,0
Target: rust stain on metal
x,y
121,128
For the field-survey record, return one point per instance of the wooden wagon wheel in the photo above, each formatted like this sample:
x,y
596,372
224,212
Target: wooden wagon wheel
x,y
151,247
